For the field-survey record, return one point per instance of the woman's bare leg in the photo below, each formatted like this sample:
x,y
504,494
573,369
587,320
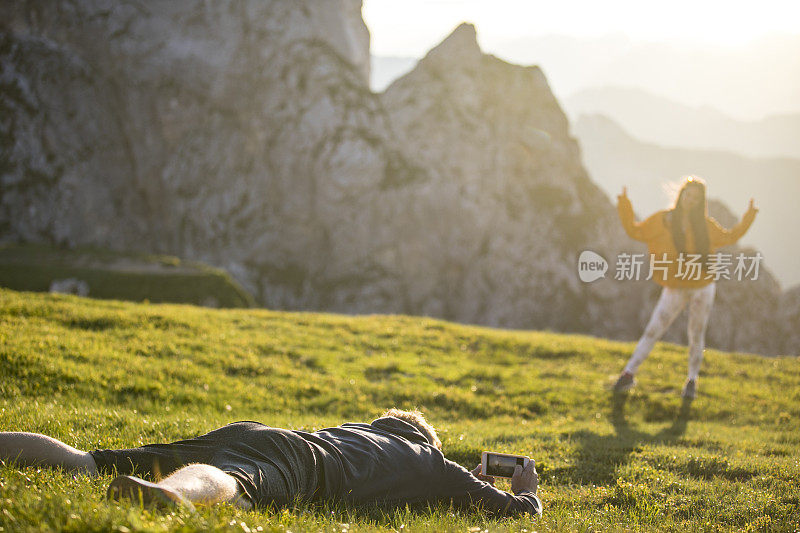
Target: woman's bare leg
x,y
699,312
29,449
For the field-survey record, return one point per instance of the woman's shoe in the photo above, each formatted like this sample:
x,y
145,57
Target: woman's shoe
x,y
690,389
624,383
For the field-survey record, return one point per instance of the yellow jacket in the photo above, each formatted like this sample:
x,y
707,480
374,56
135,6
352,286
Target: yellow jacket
x,y
655,232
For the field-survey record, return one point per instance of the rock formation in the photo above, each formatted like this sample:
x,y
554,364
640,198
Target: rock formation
x,y
508,207
239,134
245,135
789,321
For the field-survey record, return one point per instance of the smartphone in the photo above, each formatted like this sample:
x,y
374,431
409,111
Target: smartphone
x,y
501,464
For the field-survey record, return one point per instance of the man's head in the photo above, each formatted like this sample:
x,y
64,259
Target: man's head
x,y
417,419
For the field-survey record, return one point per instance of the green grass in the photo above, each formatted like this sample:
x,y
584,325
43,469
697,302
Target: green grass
x,y
100,374
120,276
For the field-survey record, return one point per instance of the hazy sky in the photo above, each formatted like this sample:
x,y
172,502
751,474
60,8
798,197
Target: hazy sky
x,y
742,58
412,27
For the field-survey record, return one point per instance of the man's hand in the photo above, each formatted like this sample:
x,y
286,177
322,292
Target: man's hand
x,y
477,473
525,478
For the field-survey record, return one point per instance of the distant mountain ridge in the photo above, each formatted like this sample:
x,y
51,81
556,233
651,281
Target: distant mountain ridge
x,y
746,81
658,120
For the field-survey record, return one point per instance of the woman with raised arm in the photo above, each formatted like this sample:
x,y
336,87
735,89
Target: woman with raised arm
x,y
679,241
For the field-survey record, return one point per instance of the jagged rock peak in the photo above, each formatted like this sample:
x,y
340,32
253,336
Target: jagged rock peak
x,y
461,46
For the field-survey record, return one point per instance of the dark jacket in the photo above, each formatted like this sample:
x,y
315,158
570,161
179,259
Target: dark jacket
x,y
391,462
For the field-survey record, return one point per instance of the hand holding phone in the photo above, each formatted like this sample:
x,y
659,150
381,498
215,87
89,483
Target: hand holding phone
x,y
525,479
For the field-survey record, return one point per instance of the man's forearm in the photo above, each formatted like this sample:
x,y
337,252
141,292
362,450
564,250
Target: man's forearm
x,y
500,503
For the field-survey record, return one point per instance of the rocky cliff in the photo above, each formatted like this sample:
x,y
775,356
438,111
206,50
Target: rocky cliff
x,y
241,134
788,317
508,206
245,135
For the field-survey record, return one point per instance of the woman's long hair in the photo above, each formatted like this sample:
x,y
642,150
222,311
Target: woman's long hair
x,y
697,220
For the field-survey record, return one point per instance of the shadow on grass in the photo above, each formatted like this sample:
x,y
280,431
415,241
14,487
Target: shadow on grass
x,y
599,456
394,517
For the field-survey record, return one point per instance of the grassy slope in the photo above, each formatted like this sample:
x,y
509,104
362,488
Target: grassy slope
x,y
110,374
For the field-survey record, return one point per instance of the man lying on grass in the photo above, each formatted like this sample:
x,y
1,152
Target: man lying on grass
x,y
396,461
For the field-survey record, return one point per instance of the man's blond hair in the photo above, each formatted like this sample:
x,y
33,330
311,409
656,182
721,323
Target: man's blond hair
x,y
417,419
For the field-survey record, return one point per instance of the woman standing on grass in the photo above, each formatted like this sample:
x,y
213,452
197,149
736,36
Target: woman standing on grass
x,y
685,236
